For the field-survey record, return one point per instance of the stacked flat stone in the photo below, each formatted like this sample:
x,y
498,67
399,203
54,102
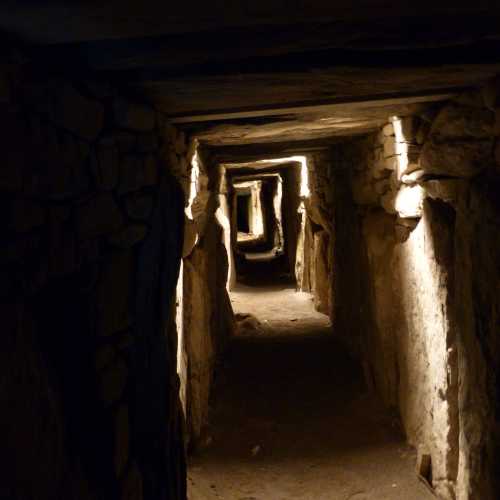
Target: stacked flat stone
x,y
82,178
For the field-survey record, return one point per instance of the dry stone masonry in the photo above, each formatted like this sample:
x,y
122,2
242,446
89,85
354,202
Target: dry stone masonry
x,y
89,199
418,187
118,252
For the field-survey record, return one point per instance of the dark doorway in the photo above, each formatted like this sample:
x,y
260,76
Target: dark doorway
x,y
243,213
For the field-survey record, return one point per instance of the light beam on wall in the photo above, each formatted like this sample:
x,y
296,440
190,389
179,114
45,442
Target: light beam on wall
x,y
304,173
193,186
304,177
277,201
221,215
179,314
408,201
401,146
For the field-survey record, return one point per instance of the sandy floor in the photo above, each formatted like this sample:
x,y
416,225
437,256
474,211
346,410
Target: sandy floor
x,y
291,418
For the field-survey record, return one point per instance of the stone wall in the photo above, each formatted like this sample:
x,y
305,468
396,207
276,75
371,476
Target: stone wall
x,y
425,192
290,216
93,223
207,318
351,312
476,294
315,246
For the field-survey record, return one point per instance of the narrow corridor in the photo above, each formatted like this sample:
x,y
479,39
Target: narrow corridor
x,y
291,417
250,249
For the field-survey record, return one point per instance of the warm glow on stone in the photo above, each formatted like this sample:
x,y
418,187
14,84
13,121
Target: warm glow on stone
x,y
193,187
223,221
409,201
401,146
304,175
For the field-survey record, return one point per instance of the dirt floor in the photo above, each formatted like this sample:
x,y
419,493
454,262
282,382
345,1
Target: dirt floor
x,y
291,418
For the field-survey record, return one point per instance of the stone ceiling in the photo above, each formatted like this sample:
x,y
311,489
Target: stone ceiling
x,y
318,122
267,71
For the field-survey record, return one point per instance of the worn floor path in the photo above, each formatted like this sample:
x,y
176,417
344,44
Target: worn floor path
x,y
291,417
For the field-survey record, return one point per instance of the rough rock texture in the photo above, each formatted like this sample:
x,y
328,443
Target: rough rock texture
x,y
380,239
89,388
291,201
315,248
206,318
93,218
200,347
422,269
460,141
460,158
433,277
351,305
322,282
477,276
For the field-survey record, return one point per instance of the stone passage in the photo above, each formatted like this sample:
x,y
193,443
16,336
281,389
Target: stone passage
x,y
292,417
260,240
